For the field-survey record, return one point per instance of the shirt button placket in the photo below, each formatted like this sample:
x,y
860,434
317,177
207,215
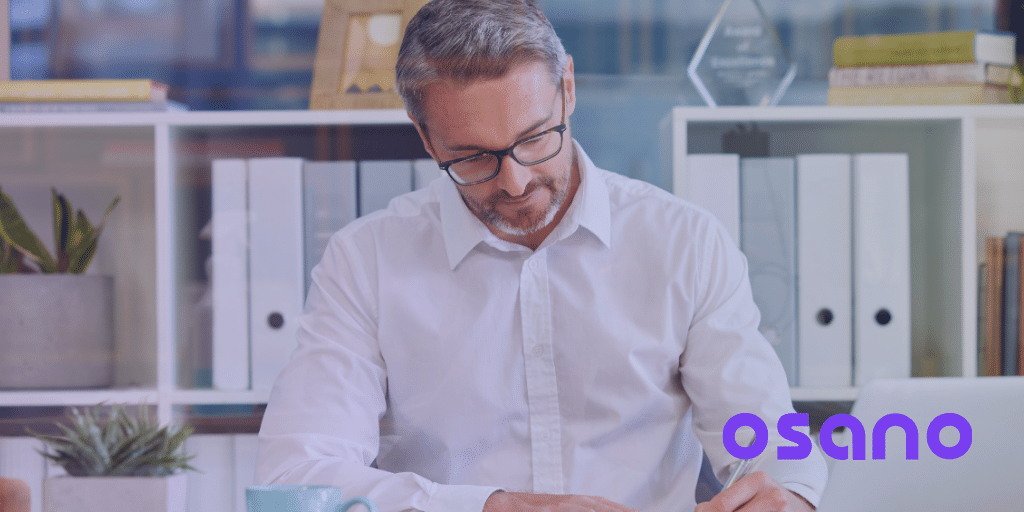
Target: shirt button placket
x,y
541,386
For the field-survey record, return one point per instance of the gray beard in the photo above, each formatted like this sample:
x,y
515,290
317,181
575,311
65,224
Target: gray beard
x,y
487,211
502,224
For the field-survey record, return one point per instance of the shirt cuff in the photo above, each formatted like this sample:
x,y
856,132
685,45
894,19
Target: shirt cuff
x,y
812,496
459,498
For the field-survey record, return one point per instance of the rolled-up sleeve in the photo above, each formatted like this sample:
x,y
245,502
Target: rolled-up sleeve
x,y
322,423
728,368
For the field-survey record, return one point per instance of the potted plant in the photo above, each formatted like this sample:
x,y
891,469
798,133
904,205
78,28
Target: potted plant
x,y
123,463
58,323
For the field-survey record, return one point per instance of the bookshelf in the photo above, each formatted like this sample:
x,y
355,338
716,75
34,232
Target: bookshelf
x,y
965,184
160,164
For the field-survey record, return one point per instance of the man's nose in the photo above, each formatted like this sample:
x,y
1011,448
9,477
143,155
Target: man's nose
x,y
514,177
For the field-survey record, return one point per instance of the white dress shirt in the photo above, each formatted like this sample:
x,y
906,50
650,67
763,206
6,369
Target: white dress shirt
x,y
437,363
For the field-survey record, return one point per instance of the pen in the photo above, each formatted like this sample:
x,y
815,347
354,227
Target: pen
x,y
741,469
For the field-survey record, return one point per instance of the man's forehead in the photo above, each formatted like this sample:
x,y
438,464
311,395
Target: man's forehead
x,y
489,107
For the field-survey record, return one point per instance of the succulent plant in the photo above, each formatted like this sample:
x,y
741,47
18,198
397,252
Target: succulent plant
x,y
119,445
75,239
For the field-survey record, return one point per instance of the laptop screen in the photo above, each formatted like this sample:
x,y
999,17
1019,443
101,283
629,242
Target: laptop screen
x,y
989,476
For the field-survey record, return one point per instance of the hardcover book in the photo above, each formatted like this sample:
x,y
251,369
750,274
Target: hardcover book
x,y
993,305
941,94
925,48
83,90
921,74
1011,302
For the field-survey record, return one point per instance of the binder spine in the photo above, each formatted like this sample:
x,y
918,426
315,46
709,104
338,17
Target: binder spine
x,y
881,266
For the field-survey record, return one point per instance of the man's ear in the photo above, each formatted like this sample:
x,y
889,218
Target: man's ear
x,y
423,135
570,87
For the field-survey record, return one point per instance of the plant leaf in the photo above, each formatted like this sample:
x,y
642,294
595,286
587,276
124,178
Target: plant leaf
x,y
61,228
17,233
122,444
83,244
84,251
81,230
8,258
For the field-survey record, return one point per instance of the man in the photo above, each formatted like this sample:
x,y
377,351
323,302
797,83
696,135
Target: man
x,y
530,333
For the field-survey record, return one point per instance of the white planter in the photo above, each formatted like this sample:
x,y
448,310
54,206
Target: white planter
x,y
115,494
58,331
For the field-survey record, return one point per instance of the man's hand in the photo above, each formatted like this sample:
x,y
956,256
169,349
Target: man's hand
x,y
525,502
756,491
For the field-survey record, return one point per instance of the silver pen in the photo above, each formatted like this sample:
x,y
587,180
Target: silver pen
x,y
741,469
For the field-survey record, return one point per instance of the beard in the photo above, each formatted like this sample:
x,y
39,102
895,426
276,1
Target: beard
x,y
527,219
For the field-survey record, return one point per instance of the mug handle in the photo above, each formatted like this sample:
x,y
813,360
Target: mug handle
x,y
358,499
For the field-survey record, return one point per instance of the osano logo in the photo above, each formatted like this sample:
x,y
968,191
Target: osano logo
x,y
787,429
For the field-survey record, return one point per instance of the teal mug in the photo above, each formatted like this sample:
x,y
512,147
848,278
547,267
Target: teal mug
x,y
300,498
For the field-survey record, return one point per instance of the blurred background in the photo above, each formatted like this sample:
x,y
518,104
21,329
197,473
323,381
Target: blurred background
x,y
630,55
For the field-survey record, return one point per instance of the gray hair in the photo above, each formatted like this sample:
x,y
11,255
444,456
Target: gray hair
x,y
465,40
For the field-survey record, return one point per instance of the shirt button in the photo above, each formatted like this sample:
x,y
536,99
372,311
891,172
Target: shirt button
x,y
546,436
538,350
533,264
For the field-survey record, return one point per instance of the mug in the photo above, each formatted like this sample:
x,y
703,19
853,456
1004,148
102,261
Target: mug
x,y
300,498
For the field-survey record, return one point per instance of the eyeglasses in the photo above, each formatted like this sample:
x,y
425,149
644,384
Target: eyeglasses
x,y
486,165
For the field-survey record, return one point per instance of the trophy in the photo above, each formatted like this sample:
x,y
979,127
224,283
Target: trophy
x,y
740,60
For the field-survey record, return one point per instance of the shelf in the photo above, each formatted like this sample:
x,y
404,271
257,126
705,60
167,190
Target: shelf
x,y
824,394
16,398
159,162
822,113
965,184
212,397
211,118
47,398
254,118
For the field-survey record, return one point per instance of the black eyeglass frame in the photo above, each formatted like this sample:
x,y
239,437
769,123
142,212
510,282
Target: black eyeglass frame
x,y
510,151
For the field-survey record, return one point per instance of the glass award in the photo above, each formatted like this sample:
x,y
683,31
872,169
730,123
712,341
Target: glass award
x,y
741,60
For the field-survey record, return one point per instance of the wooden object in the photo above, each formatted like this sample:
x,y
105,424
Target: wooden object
x,y
356,53
993,305
5,40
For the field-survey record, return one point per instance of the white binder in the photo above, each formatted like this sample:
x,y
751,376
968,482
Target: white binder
x,y
329,203
824,270
881,266
768,239
276,264
230,274
380,181
713,182
424,170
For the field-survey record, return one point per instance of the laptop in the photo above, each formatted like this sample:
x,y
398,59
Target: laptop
x,y
989,476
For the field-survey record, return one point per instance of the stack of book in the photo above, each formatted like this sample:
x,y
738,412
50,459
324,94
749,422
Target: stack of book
x,y
84,95
1001,336
935,68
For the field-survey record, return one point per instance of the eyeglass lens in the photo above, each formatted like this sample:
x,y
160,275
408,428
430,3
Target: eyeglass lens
x,y
528,152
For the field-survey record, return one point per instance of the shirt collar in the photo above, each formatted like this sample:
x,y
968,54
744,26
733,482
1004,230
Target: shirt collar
x,y
590,209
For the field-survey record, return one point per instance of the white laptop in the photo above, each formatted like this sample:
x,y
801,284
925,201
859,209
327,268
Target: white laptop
x,y
988,477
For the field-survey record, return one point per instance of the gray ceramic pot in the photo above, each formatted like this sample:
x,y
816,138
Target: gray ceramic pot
x,y
56,331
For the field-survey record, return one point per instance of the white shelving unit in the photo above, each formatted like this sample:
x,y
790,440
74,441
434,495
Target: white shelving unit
x,y
152,160
966,182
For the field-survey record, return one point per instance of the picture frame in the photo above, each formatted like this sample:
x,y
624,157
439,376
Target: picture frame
x,y
357,49
5,40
